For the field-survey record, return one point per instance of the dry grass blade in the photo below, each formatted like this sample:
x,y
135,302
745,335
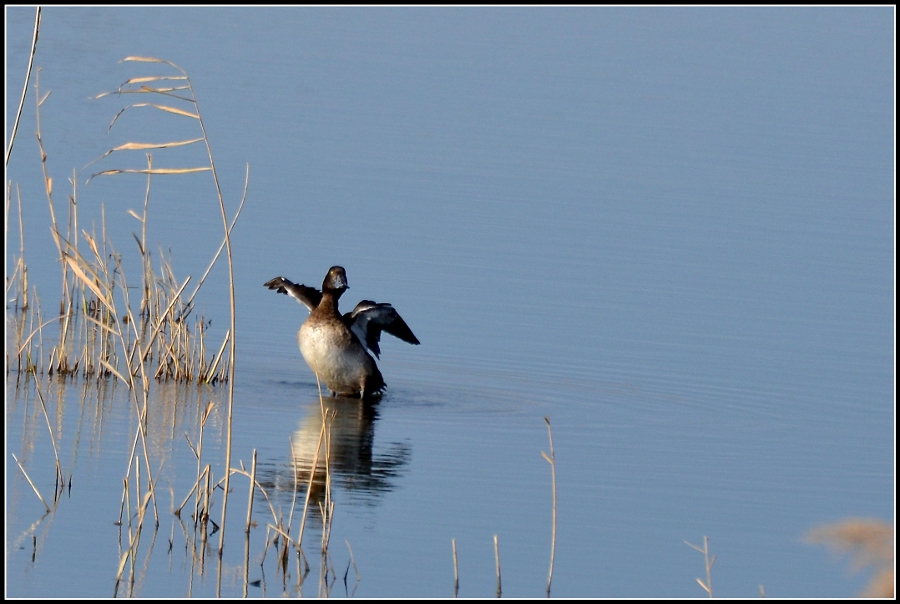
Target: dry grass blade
x,y
153,171
109,328
113,371
33,333
149,90
141,146
151,60
167,109
143,79
146,146
73,264
93,245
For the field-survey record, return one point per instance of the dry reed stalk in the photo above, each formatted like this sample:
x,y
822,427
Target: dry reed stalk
x,y
315,464
21,269
28,478
34,332
497,560
353,561
207,496
246,582
34,39
233,328
212,263
73,235
250,496
194,489
709,561
551,459
309,486
256,485
290,522
455,570
123,513
204,417
137,481
10,279
326,508
145,85
98,279
210,376
95,338
147,270
59,476
31,365
133,537
66,302
90,349
279,530
141,406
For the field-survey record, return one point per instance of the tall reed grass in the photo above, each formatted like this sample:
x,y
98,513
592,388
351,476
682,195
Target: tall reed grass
x,y
102,330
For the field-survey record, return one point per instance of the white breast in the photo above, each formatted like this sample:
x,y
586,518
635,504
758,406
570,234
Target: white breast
x,y
340,362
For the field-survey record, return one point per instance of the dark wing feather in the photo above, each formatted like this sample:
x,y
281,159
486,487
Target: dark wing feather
x,y
369,319
308,296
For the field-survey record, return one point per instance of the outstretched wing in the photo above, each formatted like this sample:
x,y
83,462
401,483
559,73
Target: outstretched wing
x,y
369,319
308,296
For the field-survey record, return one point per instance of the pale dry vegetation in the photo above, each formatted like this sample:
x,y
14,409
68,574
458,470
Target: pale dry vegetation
x,y
870,544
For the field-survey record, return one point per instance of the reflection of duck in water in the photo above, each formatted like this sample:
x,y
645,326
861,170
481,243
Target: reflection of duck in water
x,y
334,345
349,449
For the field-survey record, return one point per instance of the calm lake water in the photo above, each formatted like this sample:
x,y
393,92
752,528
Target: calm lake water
x,y
671,231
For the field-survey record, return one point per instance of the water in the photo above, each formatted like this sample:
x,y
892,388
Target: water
x,y
669,230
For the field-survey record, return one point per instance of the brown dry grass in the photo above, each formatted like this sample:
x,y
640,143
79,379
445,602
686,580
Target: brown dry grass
x,y
870,542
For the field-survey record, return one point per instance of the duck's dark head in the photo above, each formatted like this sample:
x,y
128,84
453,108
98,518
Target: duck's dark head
x,y
335,281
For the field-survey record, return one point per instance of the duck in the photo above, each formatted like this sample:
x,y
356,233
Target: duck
x,y
339,348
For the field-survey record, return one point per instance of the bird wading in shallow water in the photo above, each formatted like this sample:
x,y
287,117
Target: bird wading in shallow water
x,y
335,345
